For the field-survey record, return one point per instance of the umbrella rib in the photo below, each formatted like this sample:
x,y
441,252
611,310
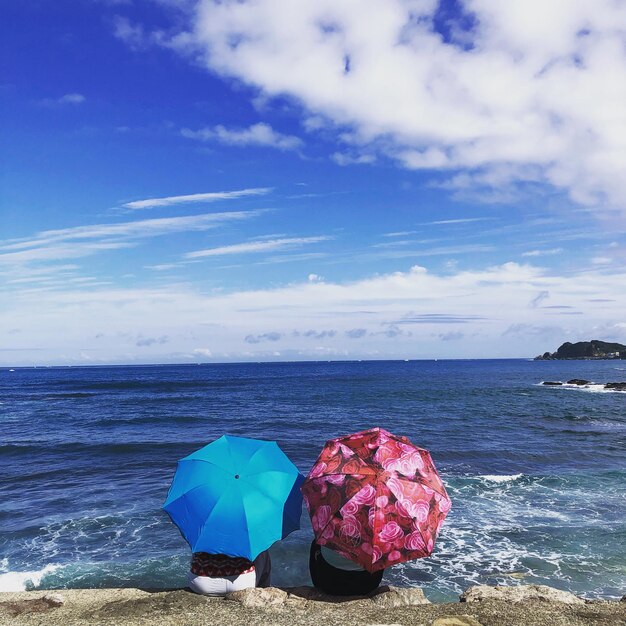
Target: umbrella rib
x,y
375,525
419,529
208,517
254,454
408,480
243,479
230,456
249,459
342,474
424,540
208,462
182,495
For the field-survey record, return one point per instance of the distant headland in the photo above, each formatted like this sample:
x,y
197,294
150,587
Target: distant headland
x,y
593,349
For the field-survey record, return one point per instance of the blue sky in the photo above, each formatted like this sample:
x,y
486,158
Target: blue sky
x,y
189,181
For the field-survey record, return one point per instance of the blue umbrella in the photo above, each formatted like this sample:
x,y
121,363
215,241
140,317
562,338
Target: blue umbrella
x,y
235,496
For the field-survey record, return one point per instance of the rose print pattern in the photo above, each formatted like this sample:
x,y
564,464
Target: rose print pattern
x,y
376,498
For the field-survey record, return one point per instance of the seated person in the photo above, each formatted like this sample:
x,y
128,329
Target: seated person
x,y
336,575
219,574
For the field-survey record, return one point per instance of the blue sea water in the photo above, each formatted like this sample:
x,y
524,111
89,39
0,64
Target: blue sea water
x,y
537,475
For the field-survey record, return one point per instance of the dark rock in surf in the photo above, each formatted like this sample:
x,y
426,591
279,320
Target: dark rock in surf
x,y
578,381
616,386
551,382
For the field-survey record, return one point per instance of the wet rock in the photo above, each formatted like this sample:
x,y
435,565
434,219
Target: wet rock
x,y
616,386
387,597
552,382
456,620
519,594
54,599
578,381
35,605
259,597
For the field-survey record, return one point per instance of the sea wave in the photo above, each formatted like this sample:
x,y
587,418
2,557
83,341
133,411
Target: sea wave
x,y
500,478
23,581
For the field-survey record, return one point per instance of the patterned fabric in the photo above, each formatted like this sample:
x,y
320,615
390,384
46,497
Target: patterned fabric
x,y
376,499
219,565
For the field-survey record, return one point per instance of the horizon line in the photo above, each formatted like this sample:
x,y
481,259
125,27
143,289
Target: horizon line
x,y
277,362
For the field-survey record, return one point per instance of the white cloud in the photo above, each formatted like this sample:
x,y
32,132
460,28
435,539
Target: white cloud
x,y
72,98
213,196
204,352
390,253
82,241
348,159
373,316
260,134
256,246
401,233
532,92
461,220
162,267
548,252
134,35
68,98
58,251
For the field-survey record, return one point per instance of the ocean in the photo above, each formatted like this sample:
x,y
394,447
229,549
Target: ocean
x,y
536,474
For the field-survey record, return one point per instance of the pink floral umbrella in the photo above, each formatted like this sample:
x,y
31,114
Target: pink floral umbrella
x,y
376,498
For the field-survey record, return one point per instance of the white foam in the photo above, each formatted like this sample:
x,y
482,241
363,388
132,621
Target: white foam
x,y
504,478
591,387
18,581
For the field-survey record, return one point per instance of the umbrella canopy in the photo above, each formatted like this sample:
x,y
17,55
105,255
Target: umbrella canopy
x,y
375,498
235,496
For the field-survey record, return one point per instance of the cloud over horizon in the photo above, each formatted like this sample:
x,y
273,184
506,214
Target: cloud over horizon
x,y
395,315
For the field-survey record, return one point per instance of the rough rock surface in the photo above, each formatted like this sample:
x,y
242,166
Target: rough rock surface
x,y
255,598
387,597
54,599
300,606
519,594
578,381
458,620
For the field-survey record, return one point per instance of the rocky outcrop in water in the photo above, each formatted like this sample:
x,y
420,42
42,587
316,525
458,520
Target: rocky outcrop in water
x,y
594,349
616,386
579,382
